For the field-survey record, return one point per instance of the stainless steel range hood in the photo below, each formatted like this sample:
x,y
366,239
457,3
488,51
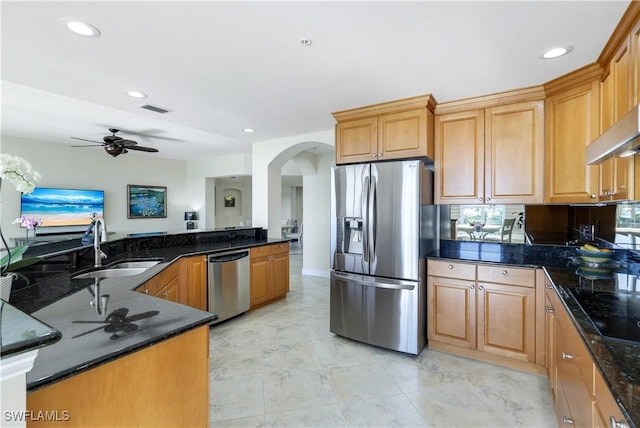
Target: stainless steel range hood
x,y
622,139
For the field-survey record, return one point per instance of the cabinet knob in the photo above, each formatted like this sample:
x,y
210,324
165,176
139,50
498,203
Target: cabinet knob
x,y
566,356
481,288
472,287
480,198
505,272
567,420
488,198
374,155
146,291
379,155
549,286
617,424
593,196
450,266
548,309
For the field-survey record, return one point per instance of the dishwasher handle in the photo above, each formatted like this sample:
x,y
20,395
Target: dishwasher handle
x,y
228,257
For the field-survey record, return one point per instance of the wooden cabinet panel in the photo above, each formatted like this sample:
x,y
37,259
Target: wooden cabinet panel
x,y
165,281
401,129
550,361
170,291
506,320
404,135
507,275
166,384
358,140
606,406
269,273
196,278
452,270
514,153
622,84
572,123
459,158
451,311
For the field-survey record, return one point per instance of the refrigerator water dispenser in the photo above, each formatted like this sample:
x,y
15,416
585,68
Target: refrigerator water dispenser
x,y
353,230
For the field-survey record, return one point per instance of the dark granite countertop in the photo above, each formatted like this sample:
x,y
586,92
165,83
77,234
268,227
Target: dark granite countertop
x,y
21,333
131,320
618,360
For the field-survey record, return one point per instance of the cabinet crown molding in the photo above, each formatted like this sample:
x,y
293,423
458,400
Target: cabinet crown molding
x,y
421,101
532,93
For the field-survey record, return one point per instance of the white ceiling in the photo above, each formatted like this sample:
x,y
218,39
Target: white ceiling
x,y
225,66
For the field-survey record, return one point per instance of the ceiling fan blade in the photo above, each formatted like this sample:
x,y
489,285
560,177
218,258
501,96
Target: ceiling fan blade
x,y
84,139
143,149
126,143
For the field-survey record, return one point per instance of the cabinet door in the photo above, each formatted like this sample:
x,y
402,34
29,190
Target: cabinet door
x,y
459,158
170,291
357,140
197,282
550,361
260,290
622,88
572,123
514,153
606,406
405,135
506,320
451,311
280,274
570,382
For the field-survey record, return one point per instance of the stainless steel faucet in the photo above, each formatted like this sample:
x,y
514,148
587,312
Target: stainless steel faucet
x,y
98,227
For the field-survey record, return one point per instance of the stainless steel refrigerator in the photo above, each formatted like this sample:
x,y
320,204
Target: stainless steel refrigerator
x,y
383,225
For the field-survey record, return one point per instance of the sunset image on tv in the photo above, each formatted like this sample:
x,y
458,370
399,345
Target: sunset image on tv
x,y
62,207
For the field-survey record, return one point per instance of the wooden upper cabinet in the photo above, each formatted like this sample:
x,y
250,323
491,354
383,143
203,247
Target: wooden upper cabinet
x,y
492,155
459,159
400,129
622,80
358,140
571,124
514,153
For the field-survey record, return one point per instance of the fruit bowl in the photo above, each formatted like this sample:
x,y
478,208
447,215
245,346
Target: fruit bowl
x,y
595,256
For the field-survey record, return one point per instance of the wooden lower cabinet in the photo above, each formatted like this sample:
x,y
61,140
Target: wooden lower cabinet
x,y
166,384
165,285
269,273
582,398
193,279
485,308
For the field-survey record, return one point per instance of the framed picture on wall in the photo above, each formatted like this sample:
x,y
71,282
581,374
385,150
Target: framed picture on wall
x,y
229,201
146,201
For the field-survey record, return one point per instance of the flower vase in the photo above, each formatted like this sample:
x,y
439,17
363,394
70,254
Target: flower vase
x,y
5,286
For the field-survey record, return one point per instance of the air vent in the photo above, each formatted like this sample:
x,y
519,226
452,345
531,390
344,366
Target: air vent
x,y
155,108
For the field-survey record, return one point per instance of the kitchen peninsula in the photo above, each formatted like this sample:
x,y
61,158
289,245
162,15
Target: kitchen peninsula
x,y
121,349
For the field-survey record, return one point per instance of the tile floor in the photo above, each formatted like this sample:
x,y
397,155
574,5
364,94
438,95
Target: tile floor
x,y
280,366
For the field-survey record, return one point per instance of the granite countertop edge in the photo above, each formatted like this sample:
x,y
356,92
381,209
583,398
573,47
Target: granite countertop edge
x,y
125,285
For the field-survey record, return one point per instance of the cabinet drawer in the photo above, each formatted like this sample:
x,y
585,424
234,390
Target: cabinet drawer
x,y
281,248
507,275
606,405
259,251
449,269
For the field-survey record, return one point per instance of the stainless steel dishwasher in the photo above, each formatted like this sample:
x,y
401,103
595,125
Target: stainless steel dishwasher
x,y
228,284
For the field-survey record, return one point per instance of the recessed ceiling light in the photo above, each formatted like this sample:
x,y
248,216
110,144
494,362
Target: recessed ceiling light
x,y
557,52
249,130
137,94
80,28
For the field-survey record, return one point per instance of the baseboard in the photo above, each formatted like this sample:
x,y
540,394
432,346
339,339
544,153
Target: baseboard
x,y
315,272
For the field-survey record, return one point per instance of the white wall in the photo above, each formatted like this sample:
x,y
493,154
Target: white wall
x,y
240,215
317,212
92,168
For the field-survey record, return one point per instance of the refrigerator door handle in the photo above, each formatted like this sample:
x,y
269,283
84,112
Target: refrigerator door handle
x,y
378,283
366,178
371,209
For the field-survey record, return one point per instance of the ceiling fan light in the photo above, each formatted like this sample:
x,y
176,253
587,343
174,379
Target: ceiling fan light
x,y
114,149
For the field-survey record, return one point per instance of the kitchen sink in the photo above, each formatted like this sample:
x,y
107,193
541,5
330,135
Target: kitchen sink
x,y
119,269
110,273
143,264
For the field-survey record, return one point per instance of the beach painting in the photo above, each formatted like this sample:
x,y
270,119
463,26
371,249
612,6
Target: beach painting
x,y
147,201
62,207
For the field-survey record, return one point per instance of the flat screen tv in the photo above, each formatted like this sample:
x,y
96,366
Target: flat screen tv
x,y
62,207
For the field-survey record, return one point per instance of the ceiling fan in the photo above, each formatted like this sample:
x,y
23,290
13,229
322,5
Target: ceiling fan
x,y
115,145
